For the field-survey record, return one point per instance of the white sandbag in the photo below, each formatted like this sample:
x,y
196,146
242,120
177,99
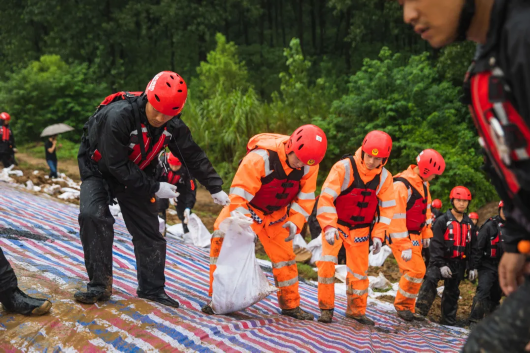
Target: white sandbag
x,y
18,173
114,210
29,185
315,246
4,176
161,225
52,189
175,231
199,233
68,196
440,291
35,172
341,272
379,282
299,242
379,259
238,281
171,212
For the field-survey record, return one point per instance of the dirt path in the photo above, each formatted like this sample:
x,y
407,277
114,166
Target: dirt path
x,y
68,167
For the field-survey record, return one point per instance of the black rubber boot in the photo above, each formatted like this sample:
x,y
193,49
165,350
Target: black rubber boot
x,y
207,309
92,296
161,298
405,315
298,314
16,301
419,317
362,319
326,316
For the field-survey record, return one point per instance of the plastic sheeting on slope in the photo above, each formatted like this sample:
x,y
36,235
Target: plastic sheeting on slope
x,y
40,237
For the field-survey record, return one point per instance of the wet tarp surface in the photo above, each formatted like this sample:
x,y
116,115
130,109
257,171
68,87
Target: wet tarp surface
x,y
40,237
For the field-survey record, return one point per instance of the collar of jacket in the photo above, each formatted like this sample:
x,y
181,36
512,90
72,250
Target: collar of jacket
x,y
363,171
497,19
451,217
413,178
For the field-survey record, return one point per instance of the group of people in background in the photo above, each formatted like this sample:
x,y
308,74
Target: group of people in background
x,y
360,202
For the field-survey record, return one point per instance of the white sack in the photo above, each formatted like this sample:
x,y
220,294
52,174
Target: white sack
x,y
299,242
161,225
238,281
379,282
315,246
200,235
175,231
379,259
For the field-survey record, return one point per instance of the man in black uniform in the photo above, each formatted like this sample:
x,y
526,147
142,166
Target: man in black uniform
x,y
7,141
171,170
117,158
486,256
449,248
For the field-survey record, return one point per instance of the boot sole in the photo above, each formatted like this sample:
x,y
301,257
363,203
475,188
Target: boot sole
x,y
362,323
43,309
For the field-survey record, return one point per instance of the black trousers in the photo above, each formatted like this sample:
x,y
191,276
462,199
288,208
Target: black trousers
x,y
450,294
8,279
7,159
97,236
488,295
426,254
508,328
163,205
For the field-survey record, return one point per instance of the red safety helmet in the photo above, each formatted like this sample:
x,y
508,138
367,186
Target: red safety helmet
x,y
167,93
461,193
309,144
173,160
430,162
501,203
436,203
473,215
5,117
377,144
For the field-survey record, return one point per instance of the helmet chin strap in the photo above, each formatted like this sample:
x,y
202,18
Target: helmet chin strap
x,y
466,15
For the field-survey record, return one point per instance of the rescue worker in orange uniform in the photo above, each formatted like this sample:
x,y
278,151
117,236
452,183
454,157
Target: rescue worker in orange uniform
x,y
356,187
410,229
275,185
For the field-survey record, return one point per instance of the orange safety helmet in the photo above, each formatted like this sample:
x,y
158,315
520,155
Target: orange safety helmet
x,y
167,92
436,203
473,215
430,162
5,117
501,204
461,193
173,160
377,144
309,143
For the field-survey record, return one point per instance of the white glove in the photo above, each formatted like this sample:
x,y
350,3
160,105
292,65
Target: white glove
x,y
406,254
472,275
221,198
166,191
292,230
426,242
446,272
377,245
187,212
331,234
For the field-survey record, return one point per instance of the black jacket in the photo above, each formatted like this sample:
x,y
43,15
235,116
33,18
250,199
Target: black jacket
x,y
437,246
6,147
481,253
186,186
508,42
109,131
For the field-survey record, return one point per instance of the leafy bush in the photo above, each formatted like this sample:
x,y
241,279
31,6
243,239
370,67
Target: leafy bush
x,y
47,92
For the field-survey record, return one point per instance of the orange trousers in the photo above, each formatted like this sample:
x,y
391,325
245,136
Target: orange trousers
x,y
412,272
357,248
281,253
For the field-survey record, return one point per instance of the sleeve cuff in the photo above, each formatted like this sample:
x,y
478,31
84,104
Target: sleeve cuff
x,y
215,189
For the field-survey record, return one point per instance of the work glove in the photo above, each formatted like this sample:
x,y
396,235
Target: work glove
x,y
292,230
166,191
187,212
472,275
331,235
446,272
406,254
221,198
426,242
377,245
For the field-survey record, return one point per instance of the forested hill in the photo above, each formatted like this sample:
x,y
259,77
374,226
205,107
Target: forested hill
x,y
252,66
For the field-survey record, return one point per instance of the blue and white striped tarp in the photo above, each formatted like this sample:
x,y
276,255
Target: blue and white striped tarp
x,y
48,260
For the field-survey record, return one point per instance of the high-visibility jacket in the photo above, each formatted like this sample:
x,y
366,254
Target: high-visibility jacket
x,y
340,179
258,175
399,232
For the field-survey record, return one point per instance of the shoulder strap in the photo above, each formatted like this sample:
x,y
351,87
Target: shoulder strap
x,y
135,108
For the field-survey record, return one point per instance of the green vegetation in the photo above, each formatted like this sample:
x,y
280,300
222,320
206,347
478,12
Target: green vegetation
x,y
251,66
